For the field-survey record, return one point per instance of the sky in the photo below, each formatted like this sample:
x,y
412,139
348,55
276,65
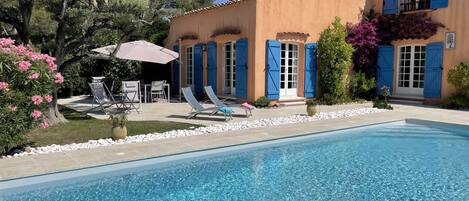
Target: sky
x,y
220,1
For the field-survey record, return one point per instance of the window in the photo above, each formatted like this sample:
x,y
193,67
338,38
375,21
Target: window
x,y
190,66
412,5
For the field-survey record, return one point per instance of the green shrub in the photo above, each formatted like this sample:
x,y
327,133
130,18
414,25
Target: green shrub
x,y
334,59
459,78
381,104
361,87
457,101
261,102
74,83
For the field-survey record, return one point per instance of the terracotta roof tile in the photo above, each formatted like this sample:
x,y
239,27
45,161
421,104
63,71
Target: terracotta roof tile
x,y
215,6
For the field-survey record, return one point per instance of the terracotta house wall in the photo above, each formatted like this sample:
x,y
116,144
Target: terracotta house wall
x,y
456,19
305,16
205,23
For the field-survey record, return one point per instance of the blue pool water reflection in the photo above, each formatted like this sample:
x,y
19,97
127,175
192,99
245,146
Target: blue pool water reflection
x,y
397,161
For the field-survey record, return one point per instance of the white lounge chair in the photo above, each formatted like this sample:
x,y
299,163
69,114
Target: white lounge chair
x,y
100,95
197,108
213,97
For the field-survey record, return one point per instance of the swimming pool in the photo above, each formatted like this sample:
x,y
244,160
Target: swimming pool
x,y
411,160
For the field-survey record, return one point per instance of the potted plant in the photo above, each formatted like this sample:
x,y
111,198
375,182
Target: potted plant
x,y
119,126
311,107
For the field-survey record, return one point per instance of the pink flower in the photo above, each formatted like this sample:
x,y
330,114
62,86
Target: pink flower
x,y
6,41
37,100
12,107
33,76
53,67
24,66
44,123
21,49
36,114
4,86
59,79
48,98
6,50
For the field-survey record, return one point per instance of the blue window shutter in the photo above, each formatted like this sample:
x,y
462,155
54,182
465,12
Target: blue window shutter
x,y
438,4
272,71
310,70
390,7
385,71
241,68
212,65
175,71
433,69
198,69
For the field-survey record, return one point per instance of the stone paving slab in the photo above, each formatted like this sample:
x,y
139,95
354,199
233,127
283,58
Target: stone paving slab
x,y
47,163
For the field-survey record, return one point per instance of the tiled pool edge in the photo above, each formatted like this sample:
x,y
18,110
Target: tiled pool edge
x,y
209,152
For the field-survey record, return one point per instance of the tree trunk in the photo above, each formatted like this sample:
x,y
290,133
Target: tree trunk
x,y
26,9
54,115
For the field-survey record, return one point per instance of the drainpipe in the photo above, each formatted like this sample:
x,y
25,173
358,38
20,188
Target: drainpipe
x,y
180,69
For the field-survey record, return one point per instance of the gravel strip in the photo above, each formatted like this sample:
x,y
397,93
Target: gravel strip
x,y
216,128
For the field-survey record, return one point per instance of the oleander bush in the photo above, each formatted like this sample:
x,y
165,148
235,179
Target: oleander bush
x,y
27,80
334,59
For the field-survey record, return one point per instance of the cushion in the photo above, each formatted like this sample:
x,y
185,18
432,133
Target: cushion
x,y
226,110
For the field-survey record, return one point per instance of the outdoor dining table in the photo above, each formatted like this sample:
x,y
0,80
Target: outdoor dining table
x,y
165,85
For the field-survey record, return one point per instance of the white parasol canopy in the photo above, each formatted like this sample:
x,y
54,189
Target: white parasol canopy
x,y
140,51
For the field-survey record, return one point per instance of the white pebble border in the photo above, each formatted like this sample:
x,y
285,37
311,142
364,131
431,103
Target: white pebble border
x,y
216,128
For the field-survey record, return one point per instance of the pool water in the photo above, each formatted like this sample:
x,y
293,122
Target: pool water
x,y
394,161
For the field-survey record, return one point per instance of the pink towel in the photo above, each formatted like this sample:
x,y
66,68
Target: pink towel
x,y
246,105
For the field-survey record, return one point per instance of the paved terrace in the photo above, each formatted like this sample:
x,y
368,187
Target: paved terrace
x,y
177,111
39,164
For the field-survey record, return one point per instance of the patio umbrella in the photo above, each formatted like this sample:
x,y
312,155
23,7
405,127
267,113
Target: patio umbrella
x,y
140,51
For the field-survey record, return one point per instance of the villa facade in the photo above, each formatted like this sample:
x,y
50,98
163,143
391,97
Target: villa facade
x,y
419,68
251,48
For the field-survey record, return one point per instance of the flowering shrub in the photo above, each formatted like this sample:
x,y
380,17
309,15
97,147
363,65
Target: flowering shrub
x,y
26,82
408,26
365,40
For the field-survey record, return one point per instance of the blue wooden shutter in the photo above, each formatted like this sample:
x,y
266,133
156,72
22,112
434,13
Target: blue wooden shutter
x,y
272,71
390,7
241,68
198,68
212,65
385,71
175,83
438,4
433,69
310,70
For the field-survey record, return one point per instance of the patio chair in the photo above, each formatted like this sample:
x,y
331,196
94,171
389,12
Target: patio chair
x,y
197,108
100,95
157,89
131,94
213,97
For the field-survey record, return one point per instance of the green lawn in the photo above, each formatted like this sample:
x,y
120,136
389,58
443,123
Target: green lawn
x,y
82,128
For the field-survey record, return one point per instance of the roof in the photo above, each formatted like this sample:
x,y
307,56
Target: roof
x,y
215,6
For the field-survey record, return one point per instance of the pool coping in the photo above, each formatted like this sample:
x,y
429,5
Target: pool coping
x,y
14,183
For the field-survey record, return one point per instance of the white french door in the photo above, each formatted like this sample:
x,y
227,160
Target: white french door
x,y
229,68
289,70
411,70
190,67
